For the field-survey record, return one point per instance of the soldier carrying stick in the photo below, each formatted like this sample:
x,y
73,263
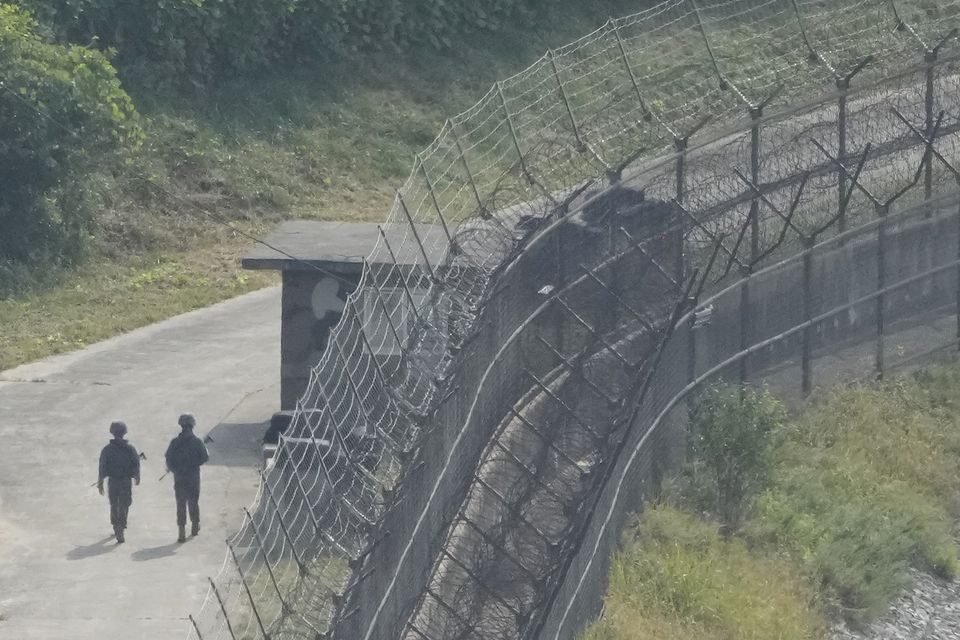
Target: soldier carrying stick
x,y
184,456
120,463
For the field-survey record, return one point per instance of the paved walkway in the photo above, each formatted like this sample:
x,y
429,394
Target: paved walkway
x,y
62,577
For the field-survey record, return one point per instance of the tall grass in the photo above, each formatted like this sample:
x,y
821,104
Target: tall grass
x,y
866,486
677,577
861,486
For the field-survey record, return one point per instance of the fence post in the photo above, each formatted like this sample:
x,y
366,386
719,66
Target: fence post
x,y
646,114
433,196
513,134
580,146
266,560
882,211
386,312
466,169
223,609
692,348
680,144
196,627
559,324
745,274
401,276
301,565
723,82
805,359
680,173
929,59
246,588
843,86
370,428
378,368
416,236
755,114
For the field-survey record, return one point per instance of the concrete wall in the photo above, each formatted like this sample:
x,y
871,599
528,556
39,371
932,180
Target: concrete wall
x,y
311,305
490,376
840,274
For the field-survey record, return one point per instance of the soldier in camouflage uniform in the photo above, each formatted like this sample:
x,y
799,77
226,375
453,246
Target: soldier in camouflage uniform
x,y
184,456
120,463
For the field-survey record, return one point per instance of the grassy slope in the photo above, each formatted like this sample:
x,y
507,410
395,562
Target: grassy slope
x,y
109,297
864,485
330,142
677,578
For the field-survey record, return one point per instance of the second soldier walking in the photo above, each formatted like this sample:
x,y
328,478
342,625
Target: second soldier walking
x,y
184,457
120,464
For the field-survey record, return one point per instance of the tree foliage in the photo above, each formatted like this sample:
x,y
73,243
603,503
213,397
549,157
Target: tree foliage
x,y
59,106
169,40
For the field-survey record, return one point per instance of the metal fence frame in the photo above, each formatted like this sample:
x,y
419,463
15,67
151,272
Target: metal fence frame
x,y
408,397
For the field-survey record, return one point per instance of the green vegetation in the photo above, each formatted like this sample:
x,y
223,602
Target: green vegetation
x,y
198,40
678,578
865,486
327,140
731,438
254,112
45,214
101,300
842,500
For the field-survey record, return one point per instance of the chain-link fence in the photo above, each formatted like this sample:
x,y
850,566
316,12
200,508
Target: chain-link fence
x,y
652,206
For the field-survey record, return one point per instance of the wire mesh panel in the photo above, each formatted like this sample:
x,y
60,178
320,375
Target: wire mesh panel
x,y
656,205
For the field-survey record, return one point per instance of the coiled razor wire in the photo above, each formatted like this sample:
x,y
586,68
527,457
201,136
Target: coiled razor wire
x,y
666,102
503,566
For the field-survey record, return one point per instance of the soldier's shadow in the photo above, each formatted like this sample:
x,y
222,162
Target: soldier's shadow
x,y
155,553
90,550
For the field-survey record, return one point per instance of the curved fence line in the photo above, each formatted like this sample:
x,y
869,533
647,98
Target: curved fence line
x,y
384,406
587,582
478,595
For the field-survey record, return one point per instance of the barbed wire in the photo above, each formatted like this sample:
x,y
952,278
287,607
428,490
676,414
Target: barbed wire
x,y
441,471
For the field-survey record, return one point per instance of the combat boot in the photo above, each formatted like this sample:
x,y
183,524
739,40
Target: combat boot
x,y
183,533
118,532
194,528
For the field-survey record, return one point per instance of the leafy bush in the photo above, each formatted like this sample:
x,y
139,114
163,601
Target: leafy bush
x,y
677,577
58,105
168,40
865,487
731,436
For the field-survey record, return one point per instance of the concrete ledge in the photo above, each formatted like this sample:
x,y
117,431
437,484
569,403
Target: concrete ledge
x,y
337,247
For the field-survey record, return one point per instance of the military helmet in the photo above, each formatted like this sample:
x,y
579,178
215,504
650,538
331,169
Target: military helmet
x,y
118,429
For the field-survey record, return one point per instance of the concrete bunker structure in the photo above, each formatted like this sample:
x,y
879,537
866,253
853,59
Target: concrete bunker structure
x,y
320,264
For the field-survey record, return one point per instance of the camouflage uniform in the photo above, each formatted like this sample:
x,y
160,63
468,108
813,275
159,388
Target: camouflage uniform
x,y
120,463
184,456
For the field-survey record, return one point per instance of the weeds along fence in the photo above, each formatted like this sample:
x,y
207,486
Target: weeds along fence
x,y
651,206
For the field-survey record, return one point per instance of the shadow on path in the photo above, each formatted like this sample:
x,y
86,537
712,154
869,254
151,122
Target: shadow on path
x,y
91,550
155,553
236,444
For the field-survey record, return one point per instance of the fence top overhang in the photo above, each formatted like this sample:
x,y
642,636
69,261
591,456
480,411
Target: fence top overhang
x,y
337,247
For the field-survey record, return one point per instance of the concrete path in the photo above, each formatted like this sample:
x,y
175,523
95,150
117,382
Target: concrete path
x,y
62,576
